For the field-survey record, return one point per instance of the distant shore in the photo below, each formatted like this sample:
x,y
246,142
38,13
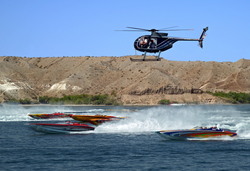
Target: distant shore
x,y
127,105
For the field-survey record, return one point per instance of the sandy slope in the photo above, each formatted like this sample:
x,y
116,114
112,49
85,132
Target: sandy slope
x,y
132,82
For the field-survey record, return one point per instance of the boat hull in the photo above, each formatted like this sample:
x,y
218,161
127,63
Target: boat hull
x,y
61,127
195,133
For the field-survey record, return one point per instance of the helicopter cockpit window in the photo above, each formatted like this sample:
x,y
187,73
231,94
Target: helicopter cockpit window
x,y
143,41
153,43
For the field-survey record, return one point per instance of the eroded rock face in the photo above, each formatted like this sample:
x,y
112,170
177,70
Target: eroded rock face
x,y
167,90
57,76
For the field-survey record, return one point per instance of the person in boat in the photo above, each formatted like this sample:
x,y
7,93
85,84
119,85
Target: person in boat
x,y
197,127
214,128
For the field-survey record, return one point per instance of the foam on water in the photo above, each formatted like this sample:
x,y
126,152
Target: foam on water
x,y
152,120
13,113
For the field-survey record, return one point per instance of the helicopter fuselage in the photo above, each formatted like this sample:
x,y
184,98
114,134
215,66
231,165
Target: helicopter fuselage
x,y
153,44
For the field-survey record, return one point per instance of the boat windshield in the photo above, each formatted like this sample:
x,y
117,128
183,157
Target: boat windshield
x,y
208,128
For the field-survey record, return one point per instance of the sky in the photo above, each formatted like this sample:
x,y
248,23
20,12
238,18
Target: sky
x,y
52,28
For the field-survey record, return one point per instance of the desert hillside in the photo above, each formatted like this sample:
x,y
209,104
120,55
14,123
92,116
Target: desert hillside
x,y
131,82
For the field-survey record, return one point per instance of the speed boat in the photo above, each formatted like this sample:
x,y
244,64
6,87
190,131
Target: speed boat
x,y
196,132
50,116
66,127
96,119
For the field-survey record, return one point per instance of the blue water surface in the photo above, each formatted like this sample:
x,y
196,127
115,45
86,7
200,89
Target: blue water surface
x,y
21,148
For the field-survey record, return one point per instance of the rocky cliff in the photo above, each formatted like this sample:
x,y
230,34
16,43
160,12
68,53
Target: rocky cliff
x,y
131,82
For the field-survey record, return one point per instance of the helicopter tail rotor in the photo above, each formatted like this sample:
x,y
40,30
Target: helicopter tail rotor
x,y
203,35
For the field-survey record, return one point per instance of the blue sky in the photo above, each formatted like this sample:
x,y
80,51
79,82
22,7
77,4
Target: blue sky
x,y
50,28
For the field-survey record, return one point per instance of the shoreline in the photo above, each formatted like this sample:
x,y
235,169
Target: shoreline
x,y
127,105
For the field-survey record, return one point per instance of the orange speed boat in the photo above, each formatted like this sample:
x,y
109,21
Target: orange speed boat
x,y
96,119
50,116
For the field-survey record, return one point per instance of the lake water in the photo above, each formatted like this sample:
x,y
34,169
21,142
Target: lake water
x,y
130,144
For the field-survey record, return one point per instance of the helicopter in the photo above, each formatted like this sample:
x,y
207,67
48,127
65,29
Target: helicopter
x,y
159,42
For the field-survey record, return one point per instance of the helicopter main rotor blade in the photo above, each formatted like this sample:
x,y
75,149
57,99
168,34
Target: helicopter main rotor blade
x,y
138,28
177,30
166,28
132,30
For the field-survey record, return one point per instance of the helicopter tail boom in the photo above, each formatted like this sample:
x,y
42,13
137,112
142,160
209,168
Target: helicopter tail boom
x,y
203,35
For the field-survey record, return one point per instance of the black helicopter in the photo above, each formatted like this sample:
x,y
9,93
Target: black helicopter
x,y
159,42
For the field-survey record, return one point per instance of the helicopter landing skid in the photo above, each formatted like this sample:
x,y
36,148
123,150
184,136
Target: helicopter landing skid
x,y
139,60
157,58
